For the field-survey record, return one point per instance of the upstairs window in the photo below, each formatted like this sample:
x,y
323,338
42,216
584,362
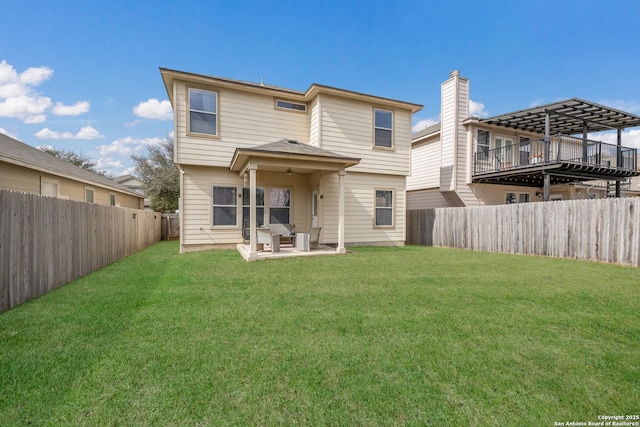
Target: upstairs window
x,y
112,199
290,105
203,112
484,142
383,128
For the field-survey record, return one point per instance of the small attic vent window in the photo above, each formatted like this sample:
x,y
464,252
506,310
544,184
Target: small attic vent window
x,y
289,105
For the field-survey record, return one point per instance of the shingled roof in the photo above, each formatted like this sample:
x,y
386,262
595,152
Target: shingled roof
x,y
290,147
21,154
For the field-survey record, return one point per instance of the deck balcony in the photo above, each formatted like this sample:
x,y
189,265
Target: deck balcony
x,y
563,158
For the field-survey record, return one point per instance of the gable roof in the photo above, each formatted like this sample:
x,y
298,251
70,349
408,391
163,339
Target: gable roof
x,y
169,76
292,149
21,154
123,178
426,132
566,117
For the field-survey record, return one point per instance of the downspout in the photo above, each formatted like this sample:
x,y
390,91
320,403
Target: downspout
x,y
176,160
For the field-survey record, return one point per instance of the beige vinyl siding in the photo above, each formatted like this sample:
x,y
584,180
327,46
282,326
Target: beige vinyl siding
x,y
447,132
359,209
425,165
19,178
245,120
197,229
314,124
347,128
426,199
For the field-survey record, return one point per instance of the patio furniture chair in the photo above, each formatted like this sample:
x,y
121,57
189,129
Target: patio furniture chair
x,y
287,232
314,238
265,237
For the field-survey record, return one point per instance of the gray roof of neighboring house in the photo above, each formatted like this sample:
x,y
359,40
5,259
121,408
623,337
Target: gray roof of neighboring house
x,y
426,131
19,153
123,178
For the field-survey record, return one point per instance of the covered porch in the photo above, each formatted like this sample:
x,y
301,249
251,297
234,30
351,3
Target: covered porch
x,y
299,163
558,158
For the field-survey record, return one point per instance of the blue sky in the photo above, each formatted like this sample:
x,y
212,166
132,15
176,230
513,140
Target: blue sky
x,y
83,75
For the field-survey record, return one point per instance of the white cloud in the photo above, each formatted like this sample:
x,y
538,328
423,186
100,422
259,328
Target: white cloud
x,y
621,104
87,132
422,124
6,132
27,108
35,119
20,100
154,109
76,109
34,76
477,109
47,133
115,157
127,146
630,138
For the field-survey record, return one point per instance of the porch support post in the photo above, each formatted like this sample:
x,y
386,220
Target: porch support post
x,y
547,135
547,185
585,132
619,161
253,236
341,249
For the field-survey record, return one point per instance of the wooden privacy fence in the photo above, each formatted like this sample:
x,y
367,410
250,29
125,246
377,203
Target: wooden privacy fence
x,y
47,242
170,226
598,230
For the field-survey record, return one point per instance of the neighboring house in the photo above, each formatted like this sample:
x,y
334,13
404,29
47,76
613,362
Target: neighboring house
x,y
253,155
542,153
133,183
27,169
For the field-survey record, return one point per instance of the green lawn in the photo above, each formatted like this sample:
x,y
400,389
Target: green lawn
x,y
381,336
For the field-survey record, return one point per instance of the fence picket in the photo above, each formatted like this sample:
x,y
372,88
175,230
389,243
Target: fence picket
x,y
598,230
47,242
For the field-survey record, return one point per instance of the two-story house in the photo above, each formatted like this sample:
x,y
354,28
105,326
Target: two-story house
x,y
253,155
541,153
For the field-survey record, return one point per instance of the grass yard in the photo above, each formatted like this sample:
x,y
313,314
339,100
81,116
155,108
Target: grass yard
x,y
381,336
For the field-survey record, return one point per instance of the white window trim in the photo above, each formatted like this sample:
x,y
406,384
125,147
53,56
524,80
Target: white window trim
x,y
93,190
373,141
51,181
293,110
238,207
393,207
217,113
